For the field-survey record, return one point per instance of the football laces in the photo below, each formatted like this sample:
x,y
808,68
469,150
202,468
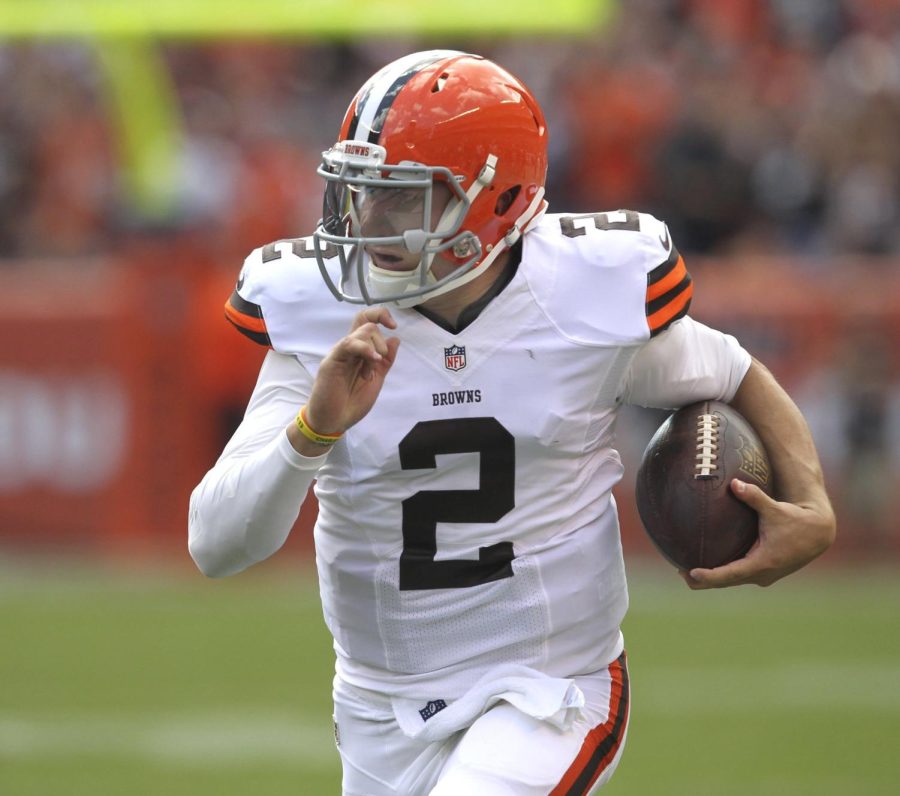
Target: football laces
x,y
707,446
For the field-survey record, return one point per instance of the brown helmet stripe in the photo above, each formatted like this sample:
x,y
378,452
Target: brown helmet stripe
x,y
377,96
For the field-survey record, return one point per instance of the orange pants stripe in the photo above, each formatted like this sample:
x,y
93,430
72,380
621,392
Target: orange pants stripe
x,y
602,742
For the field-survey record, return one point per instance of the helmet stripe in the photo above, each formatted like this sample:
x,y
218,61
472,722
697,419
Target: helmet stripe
x,y
378,94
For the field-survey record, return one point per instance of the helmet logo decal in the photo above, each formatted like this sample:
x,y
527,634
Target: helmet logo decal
x,y
455,357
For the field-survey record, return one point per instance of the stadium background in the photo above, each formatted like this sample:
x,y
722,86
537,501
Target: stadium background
x,y
145,149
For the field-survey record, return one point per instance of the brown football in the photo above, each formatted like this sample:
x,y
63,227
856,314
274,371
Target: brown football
x,y
682,490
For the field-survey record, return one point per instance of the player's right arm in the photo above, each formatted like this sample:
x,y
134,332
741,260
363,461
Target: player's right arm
x,y
243,509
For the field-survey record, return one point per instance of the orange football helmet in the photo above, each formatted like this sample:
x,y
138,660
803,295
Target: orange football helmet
x,y
430,119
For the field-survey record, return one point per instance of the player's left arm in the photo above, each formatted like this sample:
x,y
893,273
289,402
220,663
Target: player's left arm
x,y
800,524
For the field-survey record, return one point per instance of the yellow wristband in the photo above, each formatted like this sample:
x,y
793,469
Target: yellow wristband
x,y
314,436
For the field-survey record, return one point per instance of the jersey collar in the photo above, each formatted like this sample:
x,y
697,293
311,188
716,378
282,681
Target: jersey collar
x,y
471,312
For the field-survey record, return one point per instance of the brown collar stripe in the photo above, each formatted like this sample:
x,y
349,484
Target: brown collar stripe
x,y
248,319
602,743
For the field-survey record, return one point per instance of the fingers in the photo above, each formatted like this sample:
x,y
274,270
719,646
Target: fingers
x,y
757,568
349,379
752,495
362,348
393,343
366,352
366,341
737,573
385,359
790,536
377,314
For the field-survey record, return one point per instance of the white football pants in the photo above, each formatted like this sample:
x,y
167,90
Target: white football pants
x,y
503,753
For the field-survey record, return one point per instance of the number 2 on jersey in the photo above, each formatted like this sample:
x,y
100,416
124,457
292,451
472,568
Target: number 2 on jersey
x,y
425,509
576,226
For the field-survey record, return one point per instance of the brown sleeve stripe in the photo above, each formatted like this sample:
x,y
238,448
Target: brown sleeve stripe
x,y
664,299
669,292
247,318
603,741
661,270
673,305
661,280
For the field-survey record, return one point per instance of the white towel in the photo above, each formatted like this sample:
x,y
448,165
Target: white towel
x,y
552,699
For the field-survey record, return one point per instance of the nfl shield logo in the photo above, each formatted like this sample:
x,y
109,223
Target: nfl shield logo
x,y
455,357
432,708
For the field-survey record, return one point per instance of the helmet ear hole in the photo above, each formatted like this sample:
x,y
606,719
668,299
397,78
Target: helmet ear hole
x,y
505,200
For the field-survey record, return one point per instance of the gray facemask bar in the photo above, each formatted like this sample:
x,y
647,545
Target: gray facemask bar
x,y
355,264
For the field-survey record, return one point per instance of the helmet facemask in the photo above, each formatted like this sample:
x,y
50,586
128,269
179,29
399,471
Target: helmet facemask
x,y
404,215
449,122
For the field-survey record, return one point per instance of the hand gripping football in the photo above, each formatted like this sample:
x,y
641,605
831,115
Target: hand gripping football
x,y
683,488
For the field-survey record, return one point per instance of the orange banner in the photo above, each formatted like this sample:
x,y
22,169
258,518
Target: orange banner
x,y
121,381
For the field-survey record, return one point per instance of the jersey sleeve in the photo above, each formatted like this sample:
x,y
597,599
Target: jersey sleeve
x,y
689,362
244,308
281,302
669,292
610,278
243,509
247,317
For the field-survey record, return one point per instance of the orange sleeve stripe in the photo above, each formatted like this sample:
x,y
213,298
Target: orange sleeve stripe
x,y
678,304
243,320
671,279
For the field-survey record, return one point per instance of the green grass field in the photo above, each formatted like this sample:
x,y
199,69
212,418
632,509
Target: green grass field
x,y
135,683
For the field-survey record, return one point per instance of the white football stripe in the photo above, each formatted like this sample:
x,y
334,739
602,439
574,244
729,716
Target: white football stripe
x,y
374,90
204,739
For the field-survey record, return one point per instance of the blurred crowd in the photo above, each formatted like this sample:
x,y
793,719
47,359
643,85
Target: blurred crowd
x,y
747,126
750,127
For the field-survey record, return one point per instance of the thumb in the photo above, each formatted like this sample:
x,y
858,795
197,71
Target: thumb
x,y
752,495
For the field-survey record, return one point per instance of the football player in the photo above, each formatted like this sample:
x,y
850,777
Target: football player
x,y
461,436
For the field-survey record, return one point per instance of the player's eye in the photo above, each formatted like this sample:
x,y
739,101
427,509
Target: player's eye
x,y
392,198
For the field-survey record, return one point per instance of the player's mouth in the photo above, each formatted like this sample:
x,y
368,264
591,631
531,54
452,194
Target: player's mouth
x,y
390,261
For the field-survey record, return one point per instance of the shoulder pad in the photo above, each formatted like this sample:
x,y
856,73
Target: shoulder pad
x,y
612,278
281,300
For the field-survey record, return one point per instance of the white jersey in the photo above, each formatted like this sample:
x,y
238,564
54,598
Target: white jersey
x,y
468,520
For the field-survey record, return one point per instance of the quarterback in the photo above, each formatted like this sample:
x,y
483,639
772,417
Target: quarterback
x,y
446,361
